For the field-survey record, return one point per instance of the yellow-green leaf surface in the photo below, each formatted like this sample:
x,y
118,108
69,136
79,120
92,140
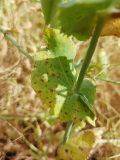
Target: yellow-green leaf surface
x,y
79,107
53,79
78,147
76,110
88,91
50,10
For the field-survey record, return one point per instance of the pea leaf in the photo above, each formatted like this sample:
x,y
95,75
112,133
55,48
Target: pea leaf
x,y
50,10
52,77
88,92
83,15
79,17
78,147
79,107
59,44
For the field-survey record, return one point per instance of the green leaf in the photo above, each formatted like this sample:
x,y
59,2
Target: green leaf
x,y
83,15
78,146
117,3
52,76
51,83
79,107
91,5
78,17
50,10
59,44
53,79
88,91
76,110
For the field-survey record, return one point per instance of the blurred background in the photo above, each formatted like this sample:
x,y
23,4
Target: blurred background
x,y
24,135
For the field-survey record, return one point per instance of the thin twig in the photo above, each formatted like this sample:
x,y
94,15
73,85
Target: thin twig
x,y
15,43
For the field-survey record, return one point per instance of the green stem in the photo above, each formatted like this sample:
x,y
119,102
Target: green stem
x,y
67,132
89,53
14,42
84,68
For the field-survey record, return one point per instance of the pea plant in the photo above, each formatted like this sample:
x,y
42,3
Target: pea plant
x,y
68,95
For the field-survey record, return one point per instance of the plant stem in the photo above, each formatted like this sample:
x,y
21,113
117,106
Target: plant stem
x,y
84,68
15,43
67,132
89,53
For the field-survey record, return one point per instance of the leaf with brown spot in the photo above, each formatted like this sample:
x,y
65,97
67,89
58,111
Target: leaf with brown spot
x,y
78,147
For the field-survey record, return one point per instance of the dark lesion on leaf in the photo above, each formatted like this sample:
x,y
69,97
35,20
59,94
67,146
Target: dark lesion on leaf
x,y
66,72
53,74
41,80
80,148
46,61
66,113
66,150
50,102
39,91
52,90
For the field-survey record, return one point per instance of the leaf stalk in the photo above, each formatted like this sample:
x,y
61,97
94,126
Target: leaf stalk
x,y
85,65
90,52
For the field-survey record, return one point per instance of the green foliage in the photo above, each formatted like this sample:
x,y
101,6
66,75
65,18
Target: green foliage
x,y
53,78
77,17
88,91
83,15
78,146
79,107
59,44
50,10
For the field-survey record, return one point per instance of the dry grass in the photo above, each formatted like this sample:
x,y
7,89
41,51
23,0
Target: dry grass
x,y
23,136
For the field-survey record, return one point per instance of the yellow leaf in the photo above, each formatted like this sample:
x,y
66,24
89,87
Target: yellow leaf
x,y
78,146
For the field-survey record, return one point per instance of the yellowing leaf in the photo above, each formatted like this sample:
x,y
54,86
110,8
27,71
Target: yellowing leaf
x,y
53,79
76,110
52,76
78,146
